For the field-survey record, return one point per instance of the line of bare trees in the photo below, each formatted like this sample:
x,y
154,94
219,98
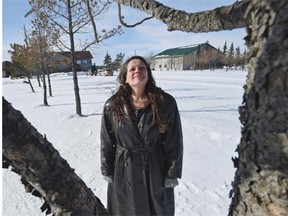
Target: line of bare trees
x,y
59,26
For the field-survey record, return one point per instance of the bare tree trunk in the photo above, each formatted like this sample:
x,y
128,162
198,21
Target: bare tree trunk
x,y
38,79
44,90
28,77
44,172
260,187
49,84
75,79
29,72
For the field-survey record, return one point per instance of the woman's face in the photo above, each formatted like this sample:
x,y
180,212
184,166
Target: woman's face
x,y
137,74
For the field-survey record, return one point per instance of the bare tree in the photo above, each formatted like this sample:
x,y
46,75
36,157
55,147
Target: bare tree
x,y
40,43
21,57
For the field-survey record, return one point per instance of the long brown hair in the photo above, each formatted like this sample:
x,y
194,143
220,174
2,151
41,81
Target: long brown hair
x,y
121,96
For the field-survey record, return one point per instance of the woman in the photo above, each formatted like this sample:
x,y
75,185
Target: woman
x,y
141,144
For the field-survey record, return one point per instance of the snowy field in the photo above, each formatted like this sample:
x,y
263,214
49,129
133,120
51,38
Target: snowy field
x,y
208,102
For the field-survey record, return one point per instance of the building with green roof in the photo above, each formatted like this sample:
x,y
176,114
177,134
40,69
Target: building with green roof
x,y
185,57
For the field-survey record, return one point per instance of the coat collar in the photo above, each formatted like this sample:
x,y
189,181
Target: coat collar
x,y
144,124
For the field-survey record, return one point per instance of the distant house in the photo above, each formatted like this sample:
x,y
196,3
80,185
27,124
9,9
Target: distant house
x,y
187,57
62,61
11,70
6,69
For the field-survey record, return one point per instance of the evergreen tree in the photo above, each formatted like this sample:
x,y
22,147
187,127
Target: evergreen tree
x,y
118,61
225,48
224,58
237,56
107,61
231,52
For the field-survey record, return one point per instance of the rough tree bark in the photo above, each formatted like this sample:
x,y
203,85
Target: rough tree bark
x,y
44,172
261,181
222,18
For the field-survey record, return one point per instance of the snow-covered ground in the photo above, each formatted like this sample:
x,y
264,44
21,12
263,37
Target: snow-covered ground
x,y
208,102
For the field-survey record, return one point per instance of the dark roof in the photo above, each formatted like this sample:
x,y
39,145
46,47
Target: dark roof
x,y
78,54
180,51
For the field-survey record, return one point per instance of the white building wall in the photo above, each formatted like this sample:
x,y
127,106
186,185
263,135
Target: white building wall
x,y
169,63
4,74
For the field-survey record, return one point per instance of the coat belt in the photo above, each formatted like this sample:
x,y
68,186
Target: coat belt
x,y
121,149
126,152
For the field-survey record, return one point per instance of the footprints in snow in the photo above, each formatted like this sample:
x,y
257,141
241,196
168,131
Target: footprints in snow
x,y
202,195
190,188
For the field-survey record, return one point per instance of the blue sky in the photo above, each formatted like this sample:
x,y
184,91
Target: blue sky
x,y
151,37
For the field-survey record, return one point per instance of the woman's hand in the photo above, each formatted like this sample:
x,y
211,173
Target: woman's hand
x,y
108,179
170,183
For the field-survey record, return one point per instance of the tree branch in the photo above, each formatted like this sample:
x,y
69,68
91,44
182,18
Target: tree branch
x,y
92,21
44,172
222,18
127,25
